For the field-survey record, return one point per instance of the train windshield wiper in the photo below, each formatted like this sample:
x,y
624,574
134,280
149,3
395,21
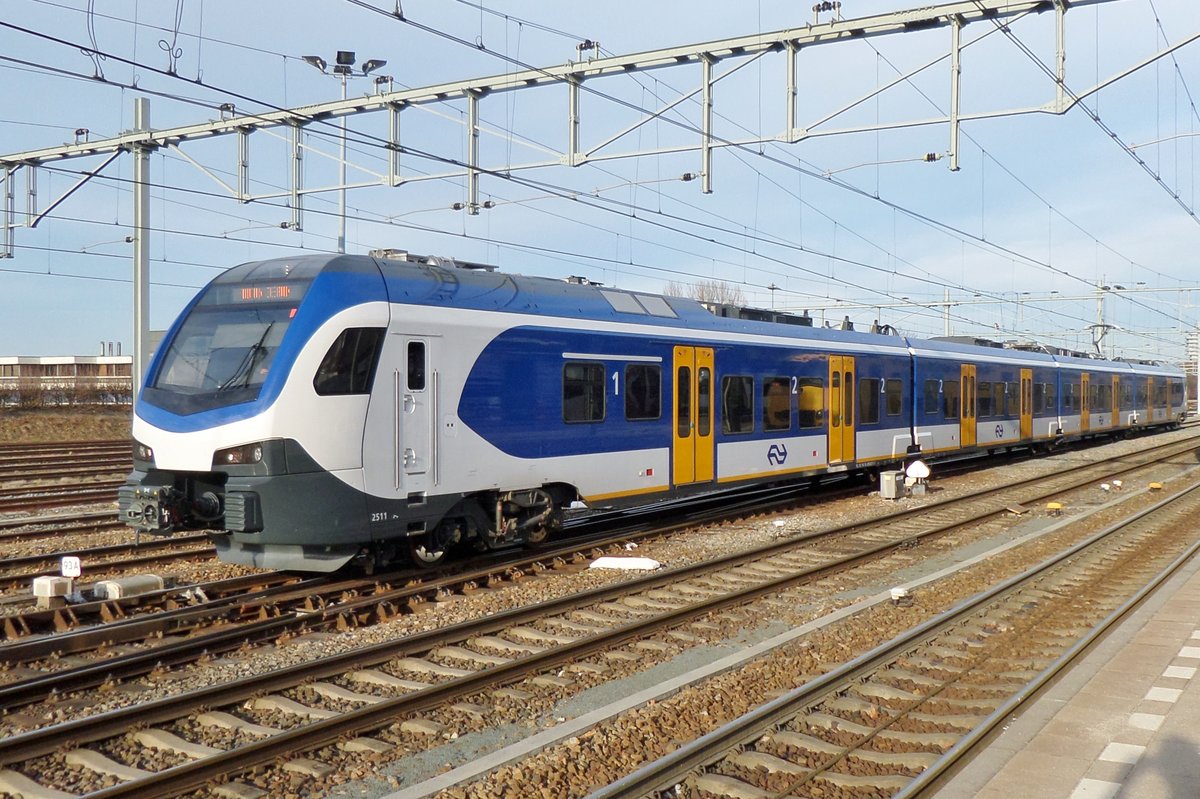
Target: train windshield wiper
x,y
241,376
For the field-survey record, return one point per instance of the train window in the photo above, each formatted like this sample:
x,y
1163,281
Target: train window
x,y
848,398
1070,397
1126,394
893,391
950,399
349,365
1160,393
643,391
931,397
737,405
835,407
683,402
868,400
1039,397
810,397
583,392
777,403
1051,398
416,366
1176,393
704,401
985,399
1014,399
1143,394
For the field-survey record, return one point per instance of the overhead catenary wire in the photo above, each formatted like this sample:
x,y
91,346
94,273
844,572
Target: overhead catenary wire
x,y
569,193
530,183
916,308
1004,28
1095,117
507,175
373,140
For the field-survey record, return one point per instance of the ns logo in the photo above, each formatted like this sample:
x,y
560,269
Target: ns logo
x,y
777,454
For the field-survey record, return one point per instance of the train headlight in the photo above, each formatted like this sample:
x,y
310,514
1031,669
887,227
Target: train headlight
x,y
247,453
142,453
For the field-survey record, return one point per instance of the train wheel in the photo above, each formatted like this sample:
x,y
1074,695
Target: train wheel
x,y
540,534
429,550
426,551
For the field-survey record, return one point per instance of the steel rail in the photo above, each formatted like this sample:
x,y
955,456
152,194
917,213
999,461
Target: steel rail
x,y
381,603
17,449
325,732
157,552
665,772
44,471
43,490
165,783
57,518
385,604
251,594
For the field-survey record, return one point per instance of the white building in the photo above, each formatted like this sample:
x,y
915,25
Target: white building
x,y
65,379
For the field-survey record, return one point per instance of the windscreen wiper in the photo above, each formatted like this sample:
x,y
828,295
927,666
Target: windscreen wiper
x,y
241,376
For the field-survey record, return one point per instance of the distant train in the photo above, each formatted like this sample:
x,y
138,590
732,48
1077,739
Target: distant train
x,y
316,410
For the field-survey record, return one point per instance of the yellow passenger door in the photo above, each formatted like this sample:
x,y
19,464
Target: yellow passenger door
x,y
1115,416
1085,401
1026,404
966,419
841,408
692,456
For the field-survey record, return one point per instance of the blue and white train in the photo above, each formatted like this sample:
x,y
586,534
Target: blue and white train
x,y
318,410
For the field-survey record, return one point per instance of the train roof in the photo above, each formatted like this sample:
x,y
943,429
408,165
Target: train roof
x,y
435,281
430,280
951,348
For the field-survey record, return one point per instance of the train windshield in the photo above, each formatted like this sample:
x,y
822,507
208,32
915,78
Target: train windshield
x,y
222,353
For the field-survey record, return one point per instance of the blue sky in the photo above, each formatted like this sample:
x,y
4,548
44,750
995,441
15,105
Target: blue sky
x,y
1043,209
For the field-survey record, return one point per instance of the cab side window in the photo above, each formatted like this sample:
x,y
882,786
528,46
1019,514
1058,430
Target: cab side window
x,y
349,365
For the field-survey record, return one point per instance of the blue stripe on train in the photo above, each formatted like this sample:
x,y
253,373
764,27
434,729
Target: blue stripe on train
x,y
514,393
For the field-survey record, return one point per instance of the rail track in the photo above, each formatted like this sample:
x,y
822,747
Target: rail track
x,y
62,449
19,571
67,462
27,528
84,468
414,687
37,497
32,473
228,621
892,721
